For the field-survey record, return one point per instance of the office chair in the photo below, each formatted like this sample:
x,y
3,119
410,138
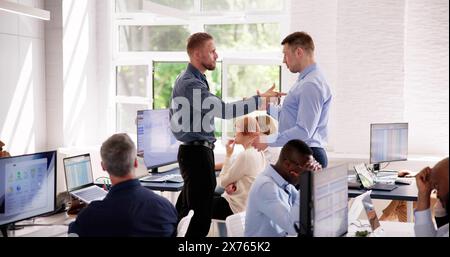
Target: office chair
x,y
235,224
184,224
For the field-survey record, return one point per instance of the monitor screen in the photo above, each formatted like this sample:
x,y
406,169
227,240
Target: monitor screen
x,y
155,141
27,186
388,142
330,201
78,171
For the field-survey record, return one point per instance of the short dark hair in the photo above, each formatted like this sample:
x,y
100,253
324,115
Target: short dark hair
x,y
197,40
118,153
299,39
295,146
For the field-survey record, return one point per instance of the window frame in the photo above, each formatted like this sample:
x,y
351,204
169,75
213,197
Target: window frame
x,y
195,21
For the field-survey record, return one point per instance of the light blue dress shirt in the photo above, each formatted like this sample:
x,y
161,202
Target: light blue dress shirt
x,y
424,226
273,206
305,110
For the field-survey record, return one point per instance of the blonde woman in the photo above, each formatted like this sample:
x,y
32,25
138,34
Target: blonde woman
x,y
269,131
238,175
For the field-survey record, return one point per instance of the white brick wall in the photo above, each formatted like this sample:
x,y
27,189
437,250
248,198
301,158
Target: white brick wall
x,y
386,61
22,88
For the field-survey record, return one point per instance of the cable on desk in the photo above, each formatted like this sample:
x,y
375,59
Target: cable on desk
x,y
360,224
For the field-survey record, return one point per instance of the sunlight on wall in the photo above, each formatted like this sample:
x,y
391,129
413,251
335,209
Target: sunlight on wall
x,y
18,129
75,54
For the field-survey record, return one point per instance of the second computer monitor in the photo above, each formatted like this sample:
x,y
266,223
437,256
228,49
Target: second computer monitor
x,y
330,201
155,141
388,142
324,202
27,186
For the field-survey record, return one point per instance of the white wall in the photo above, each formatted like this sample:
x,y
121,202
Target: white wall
x,y
22,87
77,43
386,61
72,74
370,85
426,75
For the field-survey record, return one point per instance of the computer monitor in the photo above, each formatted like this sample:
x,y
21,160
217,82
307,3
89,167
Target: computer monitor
x,y
388,142
155,141
324,209
27,186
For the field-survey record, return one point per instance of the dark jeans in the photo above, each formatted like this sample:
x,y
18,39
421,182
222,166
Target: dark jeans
x,y
221,208
197,168
320,155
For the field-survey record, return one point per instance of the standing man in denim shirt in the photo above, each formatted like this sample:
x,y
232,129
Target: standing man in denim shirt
x,y
193,108
305,111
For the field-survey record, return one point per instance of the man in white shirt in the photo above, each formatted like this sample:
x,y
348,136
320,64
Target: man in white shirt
x,y
427,180
273,204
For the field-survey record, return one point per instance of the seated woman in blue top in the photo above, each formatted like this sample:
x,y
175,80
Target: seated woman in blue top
x,y
129,209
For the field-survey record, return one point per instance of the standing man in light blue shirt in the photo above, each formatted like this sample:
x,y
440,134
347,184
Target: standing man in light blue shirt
x,y
305,111
273,203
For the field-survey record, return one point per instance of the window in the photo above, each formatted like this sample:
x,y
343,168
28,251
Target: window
x,y
165,74
150,50
245,37
131,80
244,79
153,38
242,5
126,117
140,5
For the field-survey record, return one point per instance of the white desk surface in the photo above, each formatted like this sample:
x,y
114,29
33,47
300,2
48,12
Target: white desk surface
x,y
388,229
58,226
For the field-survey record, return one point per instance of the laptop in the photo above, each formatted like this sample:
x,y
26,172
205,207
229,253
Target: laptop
x,y
141,171
143,175
367,179
383,228
79,179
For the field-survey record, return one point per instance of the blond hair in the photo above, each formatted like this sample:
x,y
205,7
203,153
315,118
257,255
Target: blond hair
x,y
246,125
267,124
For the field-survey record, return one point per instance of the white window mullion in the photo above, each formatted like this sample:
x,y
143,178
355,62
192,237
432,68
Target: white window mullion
x,y
150,84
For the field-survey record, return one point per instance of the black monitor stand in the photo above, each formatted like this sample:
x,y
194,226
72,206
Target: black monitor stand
x,y
305,228
376,167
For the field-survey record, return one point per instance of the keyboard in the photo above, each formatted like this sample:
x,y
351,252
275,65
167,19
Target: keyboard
x,y
91,194
403,181
176,178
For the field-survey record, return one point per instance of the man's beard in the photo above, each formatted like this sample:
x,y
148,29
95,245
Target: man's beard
x,y
209,66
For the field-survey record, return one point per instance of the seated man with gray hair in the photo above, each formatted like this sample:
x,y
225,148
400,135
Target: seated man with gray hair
x,y
129,209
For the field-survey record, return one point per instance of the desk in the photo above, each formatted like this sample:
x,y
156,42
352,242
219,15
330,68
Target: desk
x,y
57,226
164,186
406,193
